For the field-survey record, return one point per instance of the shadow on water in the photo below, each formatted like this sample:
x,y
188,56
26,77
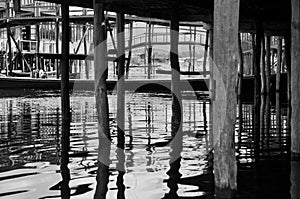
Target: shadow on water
x,y
30,149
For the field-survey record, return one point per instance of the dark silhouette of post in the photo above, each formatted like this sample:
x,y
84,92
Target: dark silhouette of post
x,y
278,73
58,68
257,84
225,51
149,51
100,67
65,102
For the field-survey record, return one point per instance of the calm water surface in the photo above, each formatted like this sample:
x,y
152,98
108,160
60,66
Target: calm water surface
x,y
30,146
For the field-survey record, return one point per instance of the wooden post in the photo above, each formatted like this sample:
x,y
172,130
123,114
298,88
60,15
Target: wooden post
x,y
278,73
190,50
295,86
58,68
205,53
121,104
37,57
241,77
100,67
257,86
86,62
226,23
9,53
211,87
120,84
268,64
288,66
175,71
194,47
130,48
149,51
65,103
263,66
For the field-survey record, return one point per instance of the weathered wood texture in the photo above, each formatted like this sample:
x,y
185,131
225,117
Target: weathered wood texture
x,y
295,76
65,104
101,100
226,23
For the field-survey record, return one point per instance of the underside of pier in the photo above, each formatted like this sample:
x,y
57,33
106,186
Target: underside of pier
x,y
226,18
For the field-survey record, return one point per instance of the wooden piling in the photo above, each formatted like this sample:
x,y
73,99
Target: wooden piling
x,y
149,51
257,87
38,40
278,73
295,78
226,24
240,89
65,103
130,48
268,64
263,66
9,52
288,66
57,42
121,78
205,52
175,82
100,67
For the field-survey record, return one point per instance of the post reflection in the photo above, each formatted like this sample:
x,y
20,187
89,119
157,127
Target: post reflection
x,y
295,179
176,147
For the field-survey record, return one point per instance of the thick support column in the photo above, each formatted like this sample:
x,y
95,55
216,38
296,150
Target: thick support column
x,y
100,67
295,78
175,69
226,23
65,103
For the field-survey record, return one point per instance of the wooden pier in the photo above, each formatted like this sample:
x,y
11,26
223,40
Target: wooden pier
x,y
264,23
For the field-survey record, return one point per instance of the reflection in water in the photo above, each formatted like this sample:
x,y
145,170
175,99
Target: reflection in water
x,y
295,176
30,144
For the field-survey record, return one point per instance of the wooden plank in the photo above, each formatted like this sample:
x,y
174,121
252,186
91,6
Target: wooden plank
x,y
65,104
226,24
295,78
100,67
